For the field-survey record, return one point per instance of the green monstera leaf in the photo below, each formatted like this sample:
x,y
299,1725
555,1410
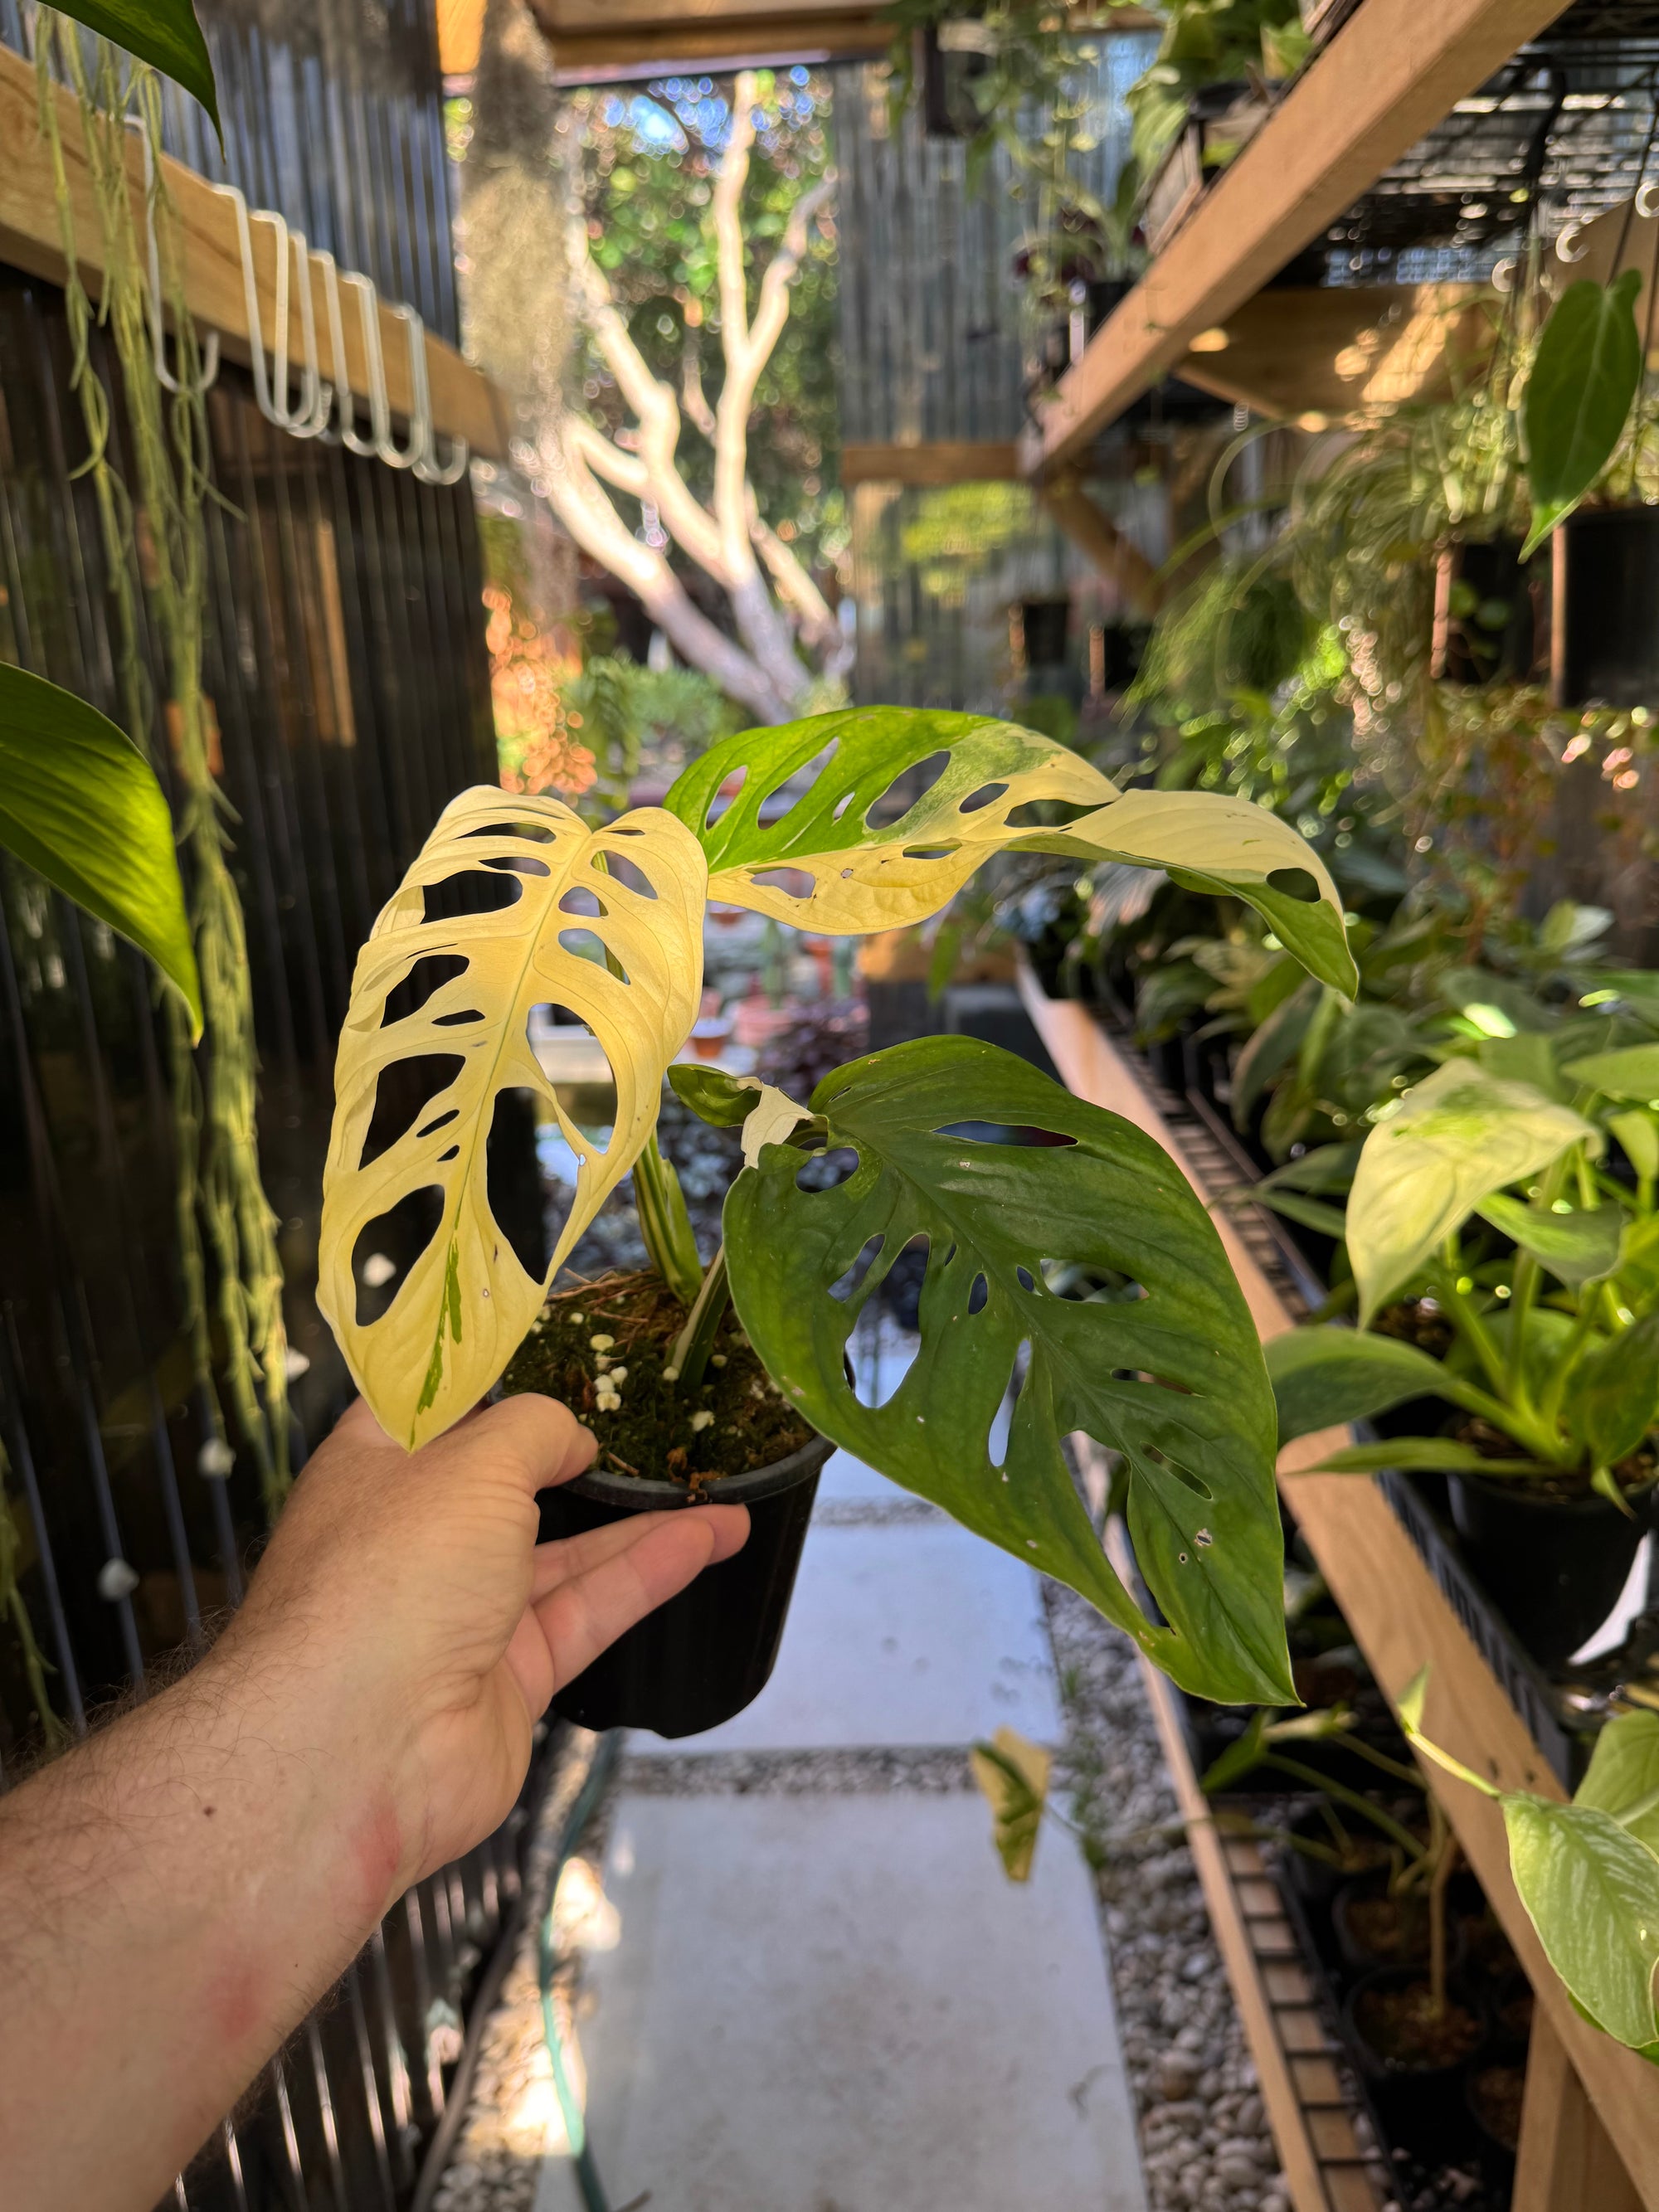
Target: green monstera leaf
x,y
80,802
1005,1173
824,834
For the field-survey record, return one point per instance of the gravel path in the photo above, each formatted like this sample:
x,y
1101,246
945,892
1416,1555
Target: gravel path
x,y
1204,2135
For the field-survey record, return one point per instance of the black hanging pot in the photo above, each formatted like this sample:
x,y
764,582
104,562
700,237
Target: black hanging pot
x,y
710,1651
1486,622
1553,1566
1605,622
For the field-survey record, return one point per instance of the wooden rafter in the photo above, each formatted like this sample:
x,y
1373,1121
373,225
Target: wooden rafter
x,y
465,403
950,461
638,37
1395,69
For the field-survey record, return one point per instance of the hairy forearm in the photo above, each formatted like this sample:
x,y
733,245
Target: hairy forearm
x,y
174,1896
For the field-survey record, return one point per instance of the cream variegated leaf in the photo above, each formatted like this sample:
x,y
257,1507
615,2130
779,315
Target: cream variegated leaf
x,y
835,859
466,1302
1212,843
822,832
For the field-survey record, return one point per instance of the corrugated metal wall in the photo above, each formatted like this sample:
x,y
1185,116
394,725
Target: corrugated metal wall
x,y
347,669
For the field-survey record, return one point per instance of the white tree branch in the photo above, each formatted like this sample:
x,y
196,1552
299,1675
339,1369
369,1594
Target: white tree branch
x,y
559,461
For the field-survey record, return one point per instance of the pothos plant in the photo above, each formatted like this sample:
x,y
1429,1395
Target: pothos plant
x,y
829,830
1492,1194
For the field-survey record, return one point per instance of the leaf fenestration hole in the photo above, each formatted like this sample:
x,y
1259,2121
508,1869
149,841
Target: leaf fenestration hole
x,y
513,1179
1295,883
424,980
930,852
400,1235
584,901
1050,813
457,1021
809,775
979,1295
586,946
533,833
1027,1281
848,1284
828,1170
404,1090
907,790
1002,1421
727,796
997,1132
473,892
626,873
442,1121
520,864
794,883
986,795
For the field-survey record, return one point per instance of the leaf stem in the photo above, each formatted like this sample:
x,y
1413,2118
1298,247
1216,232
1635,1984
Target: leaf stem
x,y
664,1224
688,1360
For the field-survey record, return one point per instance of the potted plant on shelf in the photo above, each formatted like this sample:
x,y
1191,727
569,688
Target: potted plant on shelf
x,y
514,904
1500,1208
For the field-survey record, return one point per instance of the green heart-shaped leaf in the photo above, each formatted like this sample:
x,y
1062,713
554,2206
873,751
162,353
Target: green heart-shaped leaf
x,y
1172,1377
1585,379
164,33
80,802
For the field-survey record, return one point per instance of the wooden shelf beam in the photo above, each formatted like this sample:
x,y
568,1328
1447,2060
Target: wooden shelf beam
x,y
642,37
951,461
465,403
1402,1622
1394,70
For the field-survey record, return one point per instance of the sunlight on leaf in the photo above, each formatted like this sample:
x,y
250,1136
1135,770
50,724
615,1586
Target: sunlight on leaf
x,y
1584,378
1457,1137
80,802
466,1302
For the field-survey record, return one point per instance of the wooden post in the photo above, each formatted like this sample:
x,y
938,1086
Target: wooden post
x,y
1566,2163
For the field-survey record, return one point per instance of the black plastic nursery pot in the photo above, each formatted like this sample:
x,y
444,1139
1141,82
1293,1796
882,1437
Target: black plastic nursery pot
x,y
710,1651
1553,1566
1419,2106
1604,633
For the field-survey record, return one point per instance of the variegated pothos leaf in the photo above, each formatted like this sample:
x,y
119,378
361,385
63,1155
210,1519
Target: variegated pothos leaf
x,y
634,892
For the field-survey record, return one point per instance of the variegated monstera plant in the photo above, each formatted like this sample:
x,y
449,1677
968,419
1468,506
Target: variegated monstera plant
x,y
609,924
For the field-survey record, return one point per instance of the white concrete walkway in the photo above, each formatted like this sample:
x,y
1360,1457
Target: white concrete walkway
x,y
823,1994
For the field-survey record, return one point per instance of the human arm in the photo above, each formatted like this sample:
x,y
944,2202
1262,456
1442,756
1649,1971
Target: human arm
x,y
177,1893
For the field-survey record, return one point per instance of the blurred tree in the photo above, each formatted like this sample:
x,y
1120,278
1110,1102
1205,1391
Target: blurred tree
x,y
596,422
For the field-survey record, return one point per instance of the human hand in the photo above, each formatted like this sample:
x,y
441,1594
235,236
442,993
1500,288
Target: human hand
x,y
407,1594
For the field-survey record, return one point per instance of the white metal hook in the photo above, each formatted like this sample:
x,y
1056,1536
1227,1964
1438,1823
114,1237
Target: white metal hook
x,y
1503,274
209,367
1569,238
419,448
310,417
368,316
1647,202
429,468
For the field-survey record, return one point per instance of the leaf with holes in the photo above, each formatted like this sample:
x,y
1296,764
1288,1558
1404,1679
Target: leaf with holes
x,y
1207,841
1173,1379
854,851
632,896
854,847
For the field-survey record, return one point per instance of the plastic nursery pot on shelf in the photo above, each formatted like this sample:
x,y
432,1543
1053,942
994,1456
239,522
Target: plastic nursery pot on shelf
x,y
1415,2062
1605,622
710,1651
1494,2094
1374,1929
1553,1566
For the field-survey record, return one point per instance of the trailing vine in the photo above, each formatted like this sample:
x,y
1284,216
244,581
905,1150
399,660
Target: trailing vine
x,y
221,1206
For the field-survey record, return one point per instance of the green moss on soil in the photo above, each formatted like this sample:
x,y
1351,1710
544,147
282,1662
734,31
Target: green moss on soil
x,y
650,1434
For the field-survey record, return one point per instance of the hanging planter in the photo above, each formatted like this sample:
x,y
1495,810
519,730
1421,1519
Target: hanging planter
x,y
1488,615
1605,625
